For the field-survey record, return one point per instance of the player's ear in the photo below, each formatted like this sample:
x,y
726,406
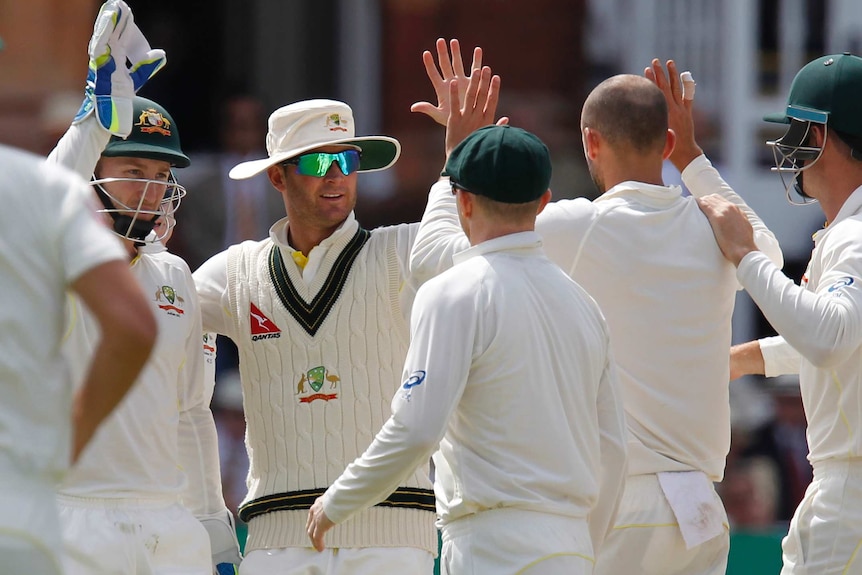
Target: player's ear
x,y
592,140
544,200
277,176
465,203
669,144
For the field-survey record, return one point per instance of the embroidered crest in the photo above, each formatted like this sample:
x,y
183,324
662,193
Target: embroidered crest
x,y
170,301
151,120
316,378
336,123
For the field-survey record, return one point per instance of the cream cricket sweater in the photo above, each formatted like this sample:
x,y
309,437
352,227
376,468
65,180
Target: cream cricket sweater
x,y
320,363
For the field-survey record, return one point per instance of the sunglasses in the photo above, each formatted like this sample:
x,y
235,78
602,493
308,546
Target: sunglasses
x,y
317,163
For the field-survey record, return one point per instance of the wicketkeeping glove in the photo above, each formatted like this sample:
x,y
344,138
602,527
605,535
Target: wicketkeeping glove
x,y
111,81
225,547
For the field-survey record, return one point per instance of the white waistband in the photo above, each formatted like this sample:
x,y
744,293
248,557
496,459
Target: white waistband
x,y
116,502
491,517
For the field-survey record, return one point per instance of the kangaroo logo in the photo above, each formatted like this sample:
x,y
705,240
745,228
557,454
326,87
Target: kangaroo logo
x,y
316,378
261,326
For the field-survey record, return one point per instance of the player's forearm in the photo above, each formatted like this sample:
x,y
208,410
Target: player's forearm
x,y
81,147
440,235
778,357
746,359
703,179
393,455
199,460
822,328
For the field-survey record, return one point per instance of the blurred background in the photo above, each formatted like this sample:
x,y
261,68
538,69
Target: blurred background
x,y
231,62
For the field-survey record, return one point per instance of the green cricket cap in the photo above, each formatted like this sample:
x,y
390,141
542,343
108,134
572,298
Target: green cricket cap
x,y
503,163
154,136
827,90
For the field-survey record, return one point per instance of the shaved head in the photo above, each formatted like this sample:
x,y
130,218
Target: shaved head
x,y
629,112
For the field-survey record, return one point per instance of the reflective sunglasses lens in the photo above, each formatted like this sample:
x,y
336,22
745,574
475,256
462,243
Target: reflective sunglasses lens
x,y
348,161
314,164
318,163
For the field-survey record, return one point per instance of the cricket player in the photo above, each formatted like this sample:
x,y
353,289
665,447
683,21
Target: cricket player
x,y
819,322
509,380
146,496
53,242
649,258
317,311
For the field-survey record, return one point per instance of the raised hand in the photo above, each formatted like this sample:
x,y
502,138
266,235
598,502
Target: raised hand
x,y
121,61
450,67
679,112
475,109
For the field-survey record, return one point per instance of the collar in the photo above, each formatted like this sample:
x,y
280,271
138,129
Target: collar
x,y
278,232
648,193
151,245
852,205
521,241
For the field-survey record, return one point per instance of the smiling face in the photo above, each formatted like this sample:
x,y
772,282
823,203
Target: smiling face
x,y
315,206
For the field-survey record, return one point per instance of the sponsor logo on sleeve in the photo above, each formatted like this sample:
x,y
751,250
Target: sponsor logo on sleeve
x,y
416,379
837,288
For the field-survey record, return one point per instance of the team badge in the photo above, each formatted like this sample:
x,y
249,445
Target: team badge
x,y
210,348
152,120
261,326
170,301
335,123
316,378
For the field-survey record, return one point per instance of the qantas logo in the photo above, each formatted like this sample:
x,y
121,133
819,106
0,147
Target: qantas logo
x,y
261,326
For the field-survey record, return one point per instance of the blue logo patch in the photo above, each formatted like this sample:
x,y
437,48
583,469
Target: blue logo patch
x,y
840,284
416,378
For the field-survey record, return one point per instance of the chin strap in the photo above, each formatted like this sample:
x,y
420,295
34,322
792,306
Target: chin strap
x,y
135,229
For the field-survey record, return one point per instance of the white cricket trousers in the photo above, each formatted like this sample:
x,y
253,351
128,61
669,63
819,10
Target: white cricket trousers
x,y
646,538
510,541
29,527
344,561
133,537
825,535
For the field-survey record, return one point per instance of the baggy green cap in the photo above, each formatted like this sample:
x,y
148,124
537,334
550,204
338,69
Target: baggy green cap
x,y
827,90
154,136
503,163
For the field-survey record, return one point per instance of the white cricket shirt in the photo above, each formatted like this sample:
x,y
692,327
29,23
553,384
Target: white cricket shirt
x,y
509,371
50,236
820,322
162,436
649,258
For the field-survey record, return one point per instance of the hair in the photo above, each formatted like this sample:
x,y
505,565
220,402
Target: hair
x,y
854,143
628,110
506,211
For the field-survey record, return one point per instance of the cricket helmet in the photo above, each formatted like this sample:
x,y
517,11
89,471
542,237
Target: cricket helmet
x,y
154,136
824,92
